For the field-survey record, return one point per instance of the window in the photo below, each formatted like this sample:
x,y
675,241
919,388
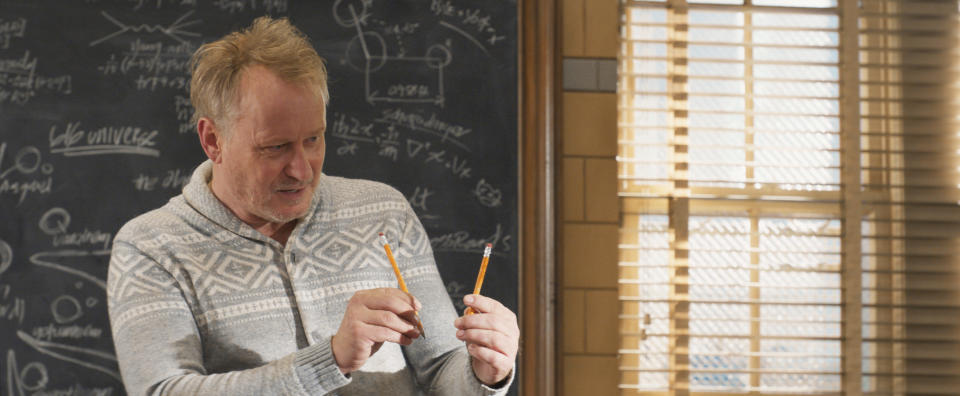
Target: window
x,y
789,197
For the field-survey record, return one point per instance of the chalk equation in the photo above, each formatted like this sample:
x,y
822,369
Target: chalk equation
x,y
384,132
149,58
20,81
472,20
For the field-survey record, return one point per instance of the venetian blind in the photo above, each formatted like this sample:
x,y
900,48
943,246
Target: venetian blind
x,y
789,195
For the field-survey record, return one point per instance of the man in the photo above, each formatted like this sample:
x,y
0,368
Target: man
x,y
265,277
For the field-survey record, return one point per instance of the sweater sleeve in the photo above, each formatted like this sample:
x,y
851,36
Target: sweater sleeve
x,y
159,348
440,361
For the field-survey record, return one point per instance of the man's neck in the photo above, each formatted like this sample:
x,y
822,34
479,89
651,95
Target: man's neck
x,y
279,232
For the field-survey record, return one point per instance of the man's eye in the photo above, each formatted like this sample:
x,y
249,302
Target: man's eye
x,y
277,147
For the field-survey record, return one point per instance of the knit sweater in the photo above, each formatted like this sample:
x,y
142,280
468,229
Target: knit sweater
x,y
201,303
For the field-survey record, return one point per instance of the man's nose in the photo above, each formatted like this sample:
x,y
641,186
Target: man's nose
x,y
299,166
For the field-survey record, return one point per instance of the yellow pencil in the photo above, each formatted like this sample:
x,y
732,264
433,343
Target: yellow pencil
x,y
403,285
483,271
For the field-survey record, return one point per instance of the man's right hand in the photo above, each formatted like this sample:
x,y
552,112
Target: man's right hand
x,y
373,317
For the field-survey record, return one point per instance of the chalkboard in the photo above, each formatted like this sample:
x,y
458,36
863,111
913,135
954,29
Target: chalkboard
x,y
94,130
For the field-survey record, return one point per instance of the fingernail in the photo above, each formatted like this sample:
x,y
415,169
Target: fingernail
x,y
416,304
456,323
461,333
468,299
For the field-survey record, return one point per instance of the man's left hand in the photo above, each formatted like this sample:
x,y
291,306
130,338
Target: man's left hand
x,y
492,338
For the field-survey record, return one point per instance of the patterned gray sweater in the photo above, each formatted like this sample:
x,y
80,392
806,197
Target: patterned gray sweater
x,y
201,303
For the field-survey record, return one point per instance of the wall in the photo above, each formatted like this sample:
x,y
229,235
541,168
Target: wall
x,y
587,199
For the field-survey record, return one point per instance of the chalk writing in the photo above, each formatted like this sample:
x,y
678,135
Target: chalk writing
x,y
174,30
10,29
54,223
409,91
152,83
6,256
456,164
11,309
471,18
24,188
347,148
431,125
173,179
389,143
74,141
26,162
402,29
487,194
461,241
418,200
161,3
349,127
49,332
151,58
20,82
184,110
234,6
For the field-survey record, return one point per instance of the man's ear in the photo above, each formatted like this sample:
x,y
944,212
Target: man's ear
x,y
210,139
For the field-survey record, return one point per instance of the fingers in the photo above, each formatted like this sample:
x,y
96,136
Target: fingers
x,y
494,328
481,304
389,299
373,317
388,303
381,334
500,363
391,321
492,316
494,340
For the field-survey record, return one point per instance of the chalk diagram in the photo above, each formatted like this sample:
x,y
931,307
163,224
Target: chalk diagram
x,y
174,30
368,53
65,309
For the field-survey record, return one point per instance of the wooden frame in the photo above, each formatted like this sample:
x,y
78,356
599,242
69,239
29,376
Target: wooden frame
x,y
537,208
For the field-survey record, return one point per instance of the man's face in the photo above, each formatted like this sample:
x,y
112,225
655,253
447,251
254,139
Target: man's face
x,y
271,160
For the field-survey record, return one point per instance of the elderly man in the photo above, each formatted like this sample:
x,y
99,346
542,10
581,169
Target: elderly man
x,y
265,277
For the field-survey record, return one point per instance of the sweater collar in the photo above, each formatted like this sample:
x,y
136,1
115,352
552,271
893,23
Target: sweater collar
x,y
198,195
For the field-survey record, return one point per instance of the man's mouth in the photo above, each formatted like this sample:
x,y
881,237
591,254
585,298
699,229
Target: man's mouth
x,y
290,190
